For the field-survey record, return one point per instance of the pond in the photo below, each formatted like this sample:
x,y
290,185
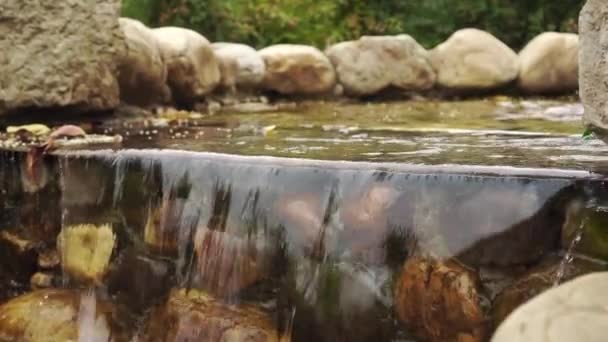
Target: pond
x,y
423,220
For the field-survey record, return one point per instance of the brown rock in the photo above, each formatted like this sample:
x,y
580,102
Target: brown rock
x,y
196,316
302,216
48,259
297,69
536,281
162,226
226,264
140,281
41,280
142,71
365,219
57,315
193,70
440,301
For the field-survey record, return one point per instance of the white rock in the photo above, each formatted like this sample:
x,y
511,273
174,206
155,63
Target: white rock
x,y
193,69
549,64
474,59
574,311
297,69
251,68
370,64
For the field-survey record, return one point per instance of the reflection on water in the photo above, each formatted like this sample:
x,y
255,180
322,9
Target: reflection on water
x,y
495,131
274,247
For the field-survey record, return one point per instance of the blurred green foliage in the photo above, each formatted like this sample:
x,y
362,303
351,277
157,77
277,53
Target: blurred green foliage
x,y
322,22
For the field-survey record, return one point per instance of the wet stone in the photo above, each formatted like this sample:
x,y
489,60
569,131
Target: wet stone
x,y
140,280
86,251
339,302
588,228
57,315
440,301
195,316
163,226
302,217
48,259
42,280
226,264
22,256
573,311
551,271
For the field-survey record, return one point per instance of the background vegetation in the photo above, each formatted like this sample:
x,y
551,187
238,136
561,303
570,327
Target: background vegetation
x,y
321,22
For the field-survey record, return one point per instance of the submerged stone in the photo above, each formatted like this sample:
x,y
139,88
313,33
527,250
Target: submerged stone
x,y
86,251
57,315
440,301
536,281
18,257
43,280
163,225
590,230
297,69
226,264
195,316
574,311
339,301
35,129
140,281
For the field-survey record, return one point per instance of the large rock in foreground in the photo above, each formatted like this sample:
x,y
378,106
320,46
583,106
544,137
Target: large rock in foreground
x,y
574,311
143,73
59,54
549,64
297,69
593,53
472,59
370,64
193,69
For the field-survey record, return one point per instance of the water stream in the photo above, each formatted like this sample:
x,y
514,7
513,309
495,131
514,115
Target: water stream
x,y
173,240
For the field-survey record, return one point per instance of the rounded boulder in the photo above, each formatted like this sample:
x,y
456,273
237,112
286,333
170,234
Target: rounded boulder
x,y
473,59
549,64
142,71
297,70
250,65
373,63
193,69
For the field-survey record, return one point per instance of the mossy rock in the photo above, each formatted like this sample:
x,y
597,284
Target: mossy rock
x,y
594,239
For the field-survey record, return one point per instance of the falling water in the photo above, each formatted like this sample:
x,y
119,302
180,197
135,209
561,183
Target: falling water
x,y
316,246
578,235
